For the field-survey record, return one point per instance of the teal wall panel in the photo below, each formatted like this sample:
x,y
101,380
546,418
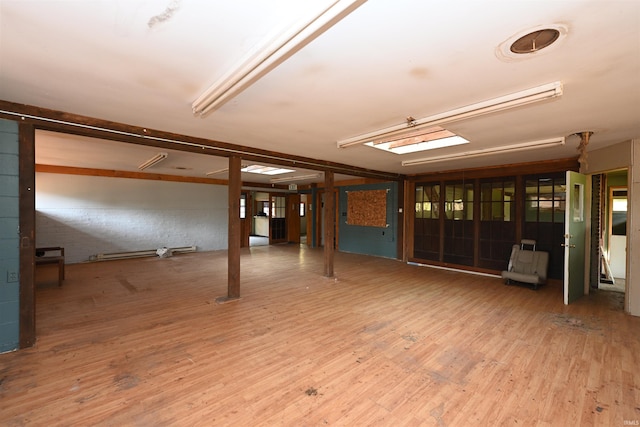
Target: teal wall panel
x,y
375,241
9,239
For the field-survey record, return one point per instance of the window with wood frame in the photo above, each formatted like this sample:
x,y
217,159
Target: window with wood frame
x,y
497,222
427,222
458,219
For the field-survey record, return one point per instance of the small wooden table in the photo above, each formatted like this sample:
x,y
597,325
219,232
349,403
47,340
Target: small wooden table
x,y
52,259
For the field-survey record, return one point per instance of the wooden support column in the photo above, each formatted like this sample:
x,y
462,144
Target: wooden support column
x,y
235,231
329,223
27,203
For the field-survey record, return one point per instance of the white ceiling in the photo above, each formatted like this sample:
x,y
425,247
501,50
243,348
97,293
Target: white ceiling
x,y
143,63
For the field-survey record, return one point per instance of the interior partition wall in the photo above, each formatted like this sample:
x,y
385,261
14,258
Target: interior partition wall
x,y
474,222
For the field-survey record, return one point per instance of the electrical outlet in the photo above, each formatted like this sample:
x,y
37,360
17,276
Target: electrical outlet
x,y
12,276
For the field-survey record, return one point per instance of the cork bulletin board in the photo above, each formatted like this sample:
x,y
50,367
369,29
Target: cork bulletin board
x,y
367,208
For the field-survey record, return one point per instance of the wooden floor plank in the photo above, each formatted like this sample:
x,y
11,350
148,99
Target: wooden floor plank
x,y
143,342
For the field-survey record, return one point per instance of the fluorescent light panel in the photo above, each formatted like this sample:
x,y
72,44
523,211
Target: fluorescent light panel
x,y
271,56
545,143
294,178
429,139
422,146
153,161
216,172
517,99
265,170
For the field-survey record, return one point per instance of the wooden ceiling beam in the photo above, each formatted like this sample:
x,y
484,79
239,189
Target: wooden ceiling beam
x,y
58,121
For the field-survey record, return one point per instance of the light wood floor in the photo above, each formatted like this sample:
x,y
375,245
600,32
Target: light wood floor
x,y
143,343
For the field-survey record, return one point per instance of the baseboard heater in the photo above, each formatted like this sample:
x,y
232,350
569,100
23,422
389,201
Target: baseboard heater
x,y
141,254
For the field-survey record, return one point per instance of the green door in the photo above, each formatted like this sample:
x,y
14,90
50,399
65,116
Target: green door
x,y
574,237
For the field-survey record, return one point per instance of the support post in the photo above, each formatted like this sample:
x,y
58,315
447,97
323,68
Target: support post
x,y
329,223
235,236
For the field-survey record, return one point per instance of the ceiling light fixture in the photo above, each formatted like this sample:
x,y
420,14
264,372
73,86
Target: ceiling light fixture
x,y
426,139
544,143
216,172
271,56
265,170
294,178
517,99
153,161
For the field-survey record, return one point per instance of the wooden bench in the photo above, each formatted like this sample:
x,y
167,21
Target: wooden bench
x,y
42,258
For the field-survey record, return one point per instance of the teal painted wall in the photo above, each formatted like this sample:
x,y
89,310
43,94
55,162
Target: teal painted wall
x,y
370,240
9,239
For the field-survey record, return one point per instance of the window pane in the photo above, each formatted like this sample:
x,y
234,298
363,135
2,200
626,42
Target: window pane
x,y
426,198
509,211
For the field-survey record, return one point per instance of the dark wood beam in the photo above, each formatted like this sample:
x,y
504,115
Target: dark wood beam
x,y
501,170
27,207
69,170
59,121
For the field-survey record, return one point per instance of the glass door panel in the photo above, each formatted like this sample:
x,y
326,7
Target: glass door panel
x,y
458,223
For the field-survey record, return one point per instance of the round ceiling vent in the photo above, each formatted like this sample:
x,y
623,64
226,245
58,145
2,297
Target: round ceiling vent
x,y
531,43
535,41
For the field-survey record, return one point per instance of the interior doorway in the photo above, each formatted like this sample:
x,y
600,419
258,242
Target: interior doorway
x,y
260,219
275,219
613,232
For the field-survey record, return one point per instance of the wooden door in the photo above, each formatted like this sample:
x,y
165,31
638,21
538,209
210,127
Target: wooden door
x,y
293,218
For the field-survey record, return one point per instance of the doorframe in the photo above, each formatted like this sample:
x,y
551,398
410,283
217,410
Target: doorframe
x,y
272,217
27,223
609,230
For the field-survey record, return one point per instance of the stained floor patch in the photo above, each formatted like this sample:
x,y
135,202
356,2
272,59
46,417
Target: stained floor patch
x,y
126,381
575,323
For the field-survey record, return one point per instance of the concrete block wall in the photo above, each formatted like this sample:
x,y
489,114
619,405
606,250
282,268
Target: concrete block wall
x,y
90,215
9,238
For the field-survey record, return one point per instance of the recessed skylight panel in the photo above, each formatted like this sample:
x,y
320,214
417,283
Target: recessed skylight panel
x,y
265,170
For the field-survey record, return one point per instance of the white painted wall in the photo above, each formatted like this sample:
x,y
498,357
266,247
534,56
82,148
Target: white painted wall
x,y
88,215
